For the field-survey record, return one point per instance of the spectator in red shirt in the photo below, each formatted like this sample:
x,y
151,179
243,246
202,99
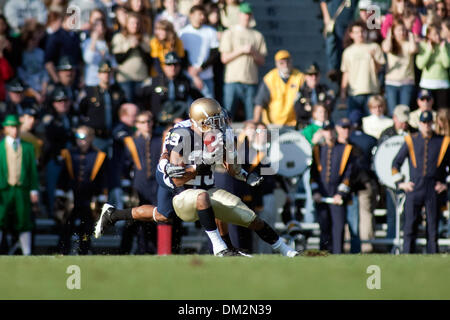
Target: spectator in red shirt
x,y
6,72
402,10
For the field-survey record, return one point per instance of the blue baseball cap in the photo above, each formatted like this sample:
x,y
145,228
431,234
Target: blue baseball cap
x,y
424,93
426,116
344,123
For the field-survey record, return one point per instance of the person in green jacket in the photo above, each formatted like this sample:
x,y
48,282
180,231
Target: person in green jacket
x,y
313,131
18,183
434,61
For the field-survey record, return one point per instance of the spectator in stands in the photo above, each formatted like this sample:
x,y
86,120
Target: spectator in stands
x,y
402,10
120,20
229,13
400,47
201,44
185,5
28,120
58,5
19,184
96,14
441,10
243,50
54,23
311,93
131,48
164,41
425,102
6,71
171,14
142,8
12,46
16,98
361,63
66,73
337,16
83,173
19,11
63,43
169,94
313,131
442,126
401,116
434,61
213,17
58,125
376,122
100,106
373,34
363,183
117,169
445,30
274,102
144,150
32,71
95,50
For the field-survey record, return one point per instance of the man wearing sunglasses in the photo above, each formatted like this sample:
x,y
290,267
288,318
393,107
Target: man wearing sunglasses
x,y
425,103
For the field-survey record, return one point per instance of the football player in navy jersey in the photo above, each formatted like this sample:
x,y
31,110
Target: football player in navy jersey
x,y
192,153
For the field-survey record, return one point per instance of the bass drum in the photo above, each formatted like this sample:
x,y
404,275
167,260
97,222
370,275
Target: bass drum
x,y
290,154
383,158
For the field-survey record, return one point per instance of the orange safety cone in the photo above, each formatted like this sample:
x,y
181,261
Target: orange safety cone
x,y
164,239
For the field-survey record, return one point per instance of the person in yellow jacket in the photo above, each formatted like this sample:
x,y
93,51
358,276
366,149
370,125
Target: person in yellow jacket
x,y
274,102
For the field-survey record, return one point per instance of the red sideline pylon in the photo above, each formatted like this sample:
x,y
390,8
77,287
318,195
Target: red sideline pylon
x,y
164,239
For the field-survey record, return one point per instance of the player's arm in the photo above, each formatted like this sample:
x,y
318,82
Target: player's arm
x,y
189,173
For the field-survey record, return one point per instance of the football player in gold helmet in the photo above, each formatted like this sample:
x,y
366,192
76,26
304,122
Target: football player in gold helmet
x,y
196,198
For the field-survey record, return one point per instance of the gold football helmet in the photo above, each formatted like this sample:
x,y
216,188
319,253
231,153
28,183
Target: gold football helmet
x,y
207,114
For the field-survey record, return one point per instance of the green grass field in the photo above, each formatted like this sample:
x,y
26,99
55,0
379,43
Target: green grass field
x,y
200,277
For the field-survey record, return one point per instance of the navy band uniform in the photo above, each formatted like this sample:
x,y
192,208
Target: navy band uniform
x,y
428,160
330,175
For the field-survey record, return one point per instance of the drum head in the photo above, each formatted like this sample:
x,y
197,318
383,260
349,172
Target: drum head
x,y
383,158
291,153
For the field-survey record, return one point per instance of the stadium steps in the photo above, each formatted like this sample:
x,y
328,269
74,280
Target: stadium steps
x,y
292,25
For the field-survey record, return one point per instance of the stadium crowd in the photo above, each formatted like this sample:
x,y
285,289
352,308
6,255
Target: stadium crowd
x,y
89,88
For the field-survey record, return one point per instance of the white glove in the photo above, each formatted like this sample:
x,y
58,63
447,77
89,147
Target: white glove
x,y
174,171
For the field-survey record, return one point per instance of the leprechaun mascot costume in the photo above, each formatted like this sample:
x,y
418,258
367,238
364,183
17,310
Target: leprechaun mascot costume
x,y
18,183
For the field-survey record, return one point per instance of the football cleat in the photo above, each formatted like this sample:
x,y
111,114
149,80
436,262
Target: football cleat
x,y
227,253
104,220
241,253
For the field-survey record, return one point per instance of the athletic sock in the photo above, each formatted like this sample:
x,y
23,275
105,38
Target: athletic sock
x,y
216,240
267,234
226,238
285,250
25,242
207,219
124,214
